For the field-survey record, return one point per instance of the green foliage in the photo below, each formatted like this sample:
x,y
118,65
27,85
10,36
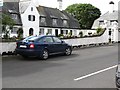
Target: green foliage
x,y
84,13
47,33
99,30
7,24
61,35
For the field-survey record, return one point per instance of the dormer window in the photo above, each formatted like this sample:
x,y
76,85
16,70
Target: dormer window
x,y
14,16
65,23
31,17
42,19
54,21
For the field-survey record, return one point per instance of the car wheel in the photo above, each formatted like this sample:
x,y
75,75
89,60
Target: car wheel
x,y
68,51
45,54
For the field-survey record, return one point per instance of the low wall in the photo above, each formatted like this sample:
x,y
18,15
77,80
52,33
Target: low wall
x,y
5,47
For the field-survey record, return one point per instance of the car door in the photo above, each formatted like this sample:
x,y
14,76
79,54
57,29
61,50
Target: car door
x,y
58,45
49,44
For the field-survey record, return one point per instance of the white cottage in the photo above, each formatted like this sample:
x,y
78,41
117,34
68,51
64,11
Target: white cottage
x,y
39,20
109,21
12,8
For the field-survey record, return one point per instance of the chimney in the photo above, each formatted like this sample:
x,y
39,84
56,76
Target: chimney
x,y
111,9
60,4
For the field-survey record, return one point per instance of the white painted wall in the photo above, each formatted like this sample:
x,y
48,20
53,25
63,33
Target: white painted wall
x,y
74,42
85,32
30,24
89,40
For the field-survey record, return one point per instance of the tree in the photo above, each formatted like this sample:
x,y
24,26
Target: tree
x,y
7,24
84,13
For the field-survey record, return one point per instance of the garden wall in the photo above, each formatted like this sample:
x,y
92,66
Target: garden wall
x,y
10,46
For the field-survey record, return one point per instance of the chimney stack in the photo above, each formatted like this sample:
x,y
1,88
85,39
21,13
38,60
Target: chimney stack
x,y
60,4
111,9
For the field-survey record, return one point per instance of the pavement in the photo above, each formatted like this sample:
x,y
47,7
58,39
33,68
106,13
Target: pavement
x,y
85,68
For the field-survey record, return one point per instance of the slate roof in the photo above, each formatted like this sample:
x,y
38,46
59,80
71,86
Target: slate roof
x,y
12,8
23,6
107,16
53,13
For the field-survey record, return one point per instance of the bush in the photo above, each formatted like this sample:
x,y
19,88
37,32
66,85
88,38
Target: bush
x,y
61,35
99,31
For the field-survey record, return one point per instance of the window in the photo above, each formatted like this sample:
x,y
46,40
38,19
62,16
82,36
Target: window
x,y
75,32
41,32
65,31
49,31
42,19
31,17
31,8
14,16
101,22
71,32
65,22
61,31
48,39
54,21
56,40
14,30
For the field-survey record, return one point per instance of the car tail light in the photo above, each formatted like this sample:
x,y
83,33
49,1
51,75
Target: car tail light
x,y
32,46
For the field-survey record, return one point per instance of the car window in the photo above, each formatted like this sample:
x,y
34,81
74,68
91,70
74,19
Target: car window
x,y
27,38
56,40
40,39
48,39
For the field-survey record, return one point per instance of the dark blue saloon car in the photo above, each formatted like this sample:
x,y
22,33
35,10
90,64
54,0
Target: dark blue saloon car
x,y
42,46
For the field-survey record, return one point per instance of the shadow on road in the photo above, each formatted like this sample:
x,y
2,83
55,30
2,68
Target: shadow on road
x,y
18,66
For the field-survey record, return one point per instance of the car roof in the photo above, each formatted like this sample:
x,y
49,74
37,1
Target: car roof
x,y
46,36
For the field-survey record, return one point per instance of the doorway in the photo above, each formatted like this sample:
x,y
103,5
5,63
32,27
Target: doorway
x,y
56,32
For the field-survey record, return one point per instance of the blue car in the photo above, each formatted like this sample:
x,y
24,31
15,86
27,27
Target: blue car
x,y
42,46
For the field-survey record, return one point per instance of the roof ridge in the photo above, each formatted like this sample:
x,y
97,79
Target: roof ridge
x,y
46,7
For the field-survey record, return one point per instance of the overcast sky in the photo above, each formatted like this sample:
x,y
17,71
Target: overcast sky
x,y
103,5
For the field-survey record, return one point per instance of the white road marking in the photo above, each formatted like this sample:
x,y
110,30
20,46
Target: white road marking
x,y
100,71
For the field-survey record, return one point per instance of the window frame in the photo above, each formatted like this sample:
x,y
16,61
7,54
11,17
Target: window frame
x,y
54,21
31,17
42,19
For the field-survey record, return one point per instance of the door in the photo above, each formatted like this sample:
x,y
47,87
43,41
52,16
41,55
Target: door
x,y
59,46
56,32
49,44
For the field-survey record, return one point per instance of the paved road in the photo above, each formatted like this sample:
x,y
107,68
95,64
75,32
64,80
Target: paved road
x,y
62,71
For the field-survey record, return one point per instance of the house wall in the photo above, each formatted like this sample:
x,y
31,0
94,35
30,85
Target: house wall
x,y
10,46
13,32
30,24
85,32
75,32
